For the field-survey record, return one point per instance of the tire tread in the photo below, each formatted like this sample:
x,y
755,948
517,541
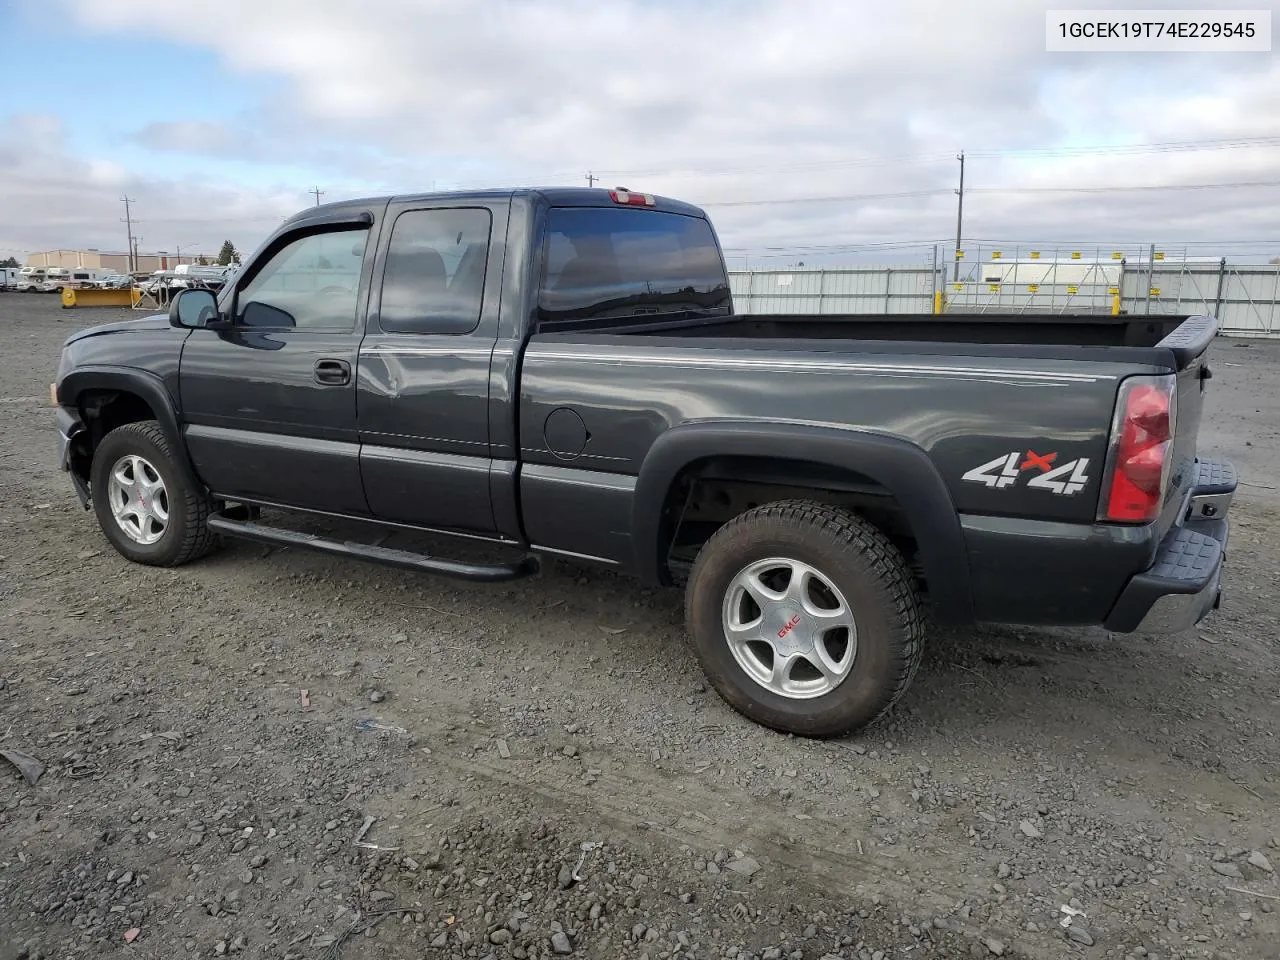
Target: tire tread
x,y
198,540
860,541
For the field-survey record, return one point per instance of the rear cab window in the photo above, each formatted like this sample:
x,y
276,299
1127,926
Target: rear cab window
x,y
613,262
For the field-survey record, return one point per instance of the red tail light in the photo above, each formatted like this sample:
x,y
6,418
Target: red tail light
x,y
623,195
1141,453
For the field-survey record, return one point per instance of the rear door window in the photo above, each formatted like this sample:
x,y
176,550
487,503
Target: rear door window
x,y
434,277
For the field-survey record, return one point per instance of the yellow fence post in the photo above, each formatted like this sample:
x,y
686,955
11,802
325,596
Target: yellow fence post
x,y
1115,305
937,301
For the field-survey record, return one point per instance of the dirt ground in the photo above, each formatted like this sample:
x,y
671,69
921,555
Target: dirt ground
x,y
275,754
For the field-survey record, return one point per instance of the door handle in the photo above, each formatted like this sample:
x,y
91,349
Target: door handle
x,y
332,372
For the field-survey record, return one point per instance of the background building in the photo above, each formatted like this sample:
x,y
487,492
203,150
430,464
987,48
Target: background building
x,y
112,260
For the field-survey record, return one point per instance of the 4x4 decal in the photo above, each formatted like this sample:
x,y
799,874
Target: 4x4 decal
x,y
1006,469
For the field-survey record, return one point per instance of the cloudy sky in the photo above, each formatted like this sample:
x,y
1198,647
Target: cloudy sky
x,y
808,128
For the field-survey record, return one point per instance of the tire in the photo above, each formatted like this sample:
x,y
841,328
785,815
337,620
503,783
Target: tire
x,y
845,564
141,450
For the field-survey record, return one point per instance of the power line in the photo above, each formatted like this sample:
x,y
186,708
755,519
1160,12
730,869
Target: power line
x,y
1132,149
785,168
1136,188
1167,146
850,245
903,195
858,197
268,219
1113,189
1135,149
910,194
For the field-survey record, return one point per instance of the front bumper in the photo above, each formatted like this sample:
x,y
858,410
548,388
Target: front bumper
x,y
1184,584
68,428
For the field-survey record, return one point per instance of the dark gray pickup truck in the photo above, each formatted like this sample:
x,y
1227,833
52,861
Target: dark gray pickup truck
x,y
561,372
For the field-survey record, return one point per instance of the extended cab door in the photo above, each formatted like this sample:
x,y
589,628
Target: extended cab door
x,y
270,403
423,391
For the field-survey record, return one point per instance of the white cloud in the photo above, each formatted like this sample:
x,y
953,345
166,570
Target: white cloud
x,y
52,199
723,101
191,136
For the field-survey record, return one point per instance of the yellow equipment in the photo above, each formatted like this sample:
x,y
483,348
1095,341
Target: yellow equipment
x,y
95,297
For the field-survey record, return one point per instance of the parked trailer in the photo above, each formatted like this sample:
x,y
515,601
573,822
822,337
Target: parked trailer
x,y
87,276
30,279
55,278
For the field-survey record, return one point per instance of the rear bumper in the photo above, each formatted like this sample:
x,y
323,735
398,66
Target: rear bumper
x,y
1184,583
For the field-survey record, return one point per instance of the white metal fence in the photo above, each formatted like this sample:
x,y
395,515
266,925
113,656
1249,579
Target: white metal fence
x,y
1244,297
857,290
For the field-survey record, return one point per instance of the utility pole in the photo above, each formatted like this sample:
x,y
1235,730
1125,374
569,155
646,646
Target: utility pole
x,y
137,257
318,194
128,220
591,179
955,276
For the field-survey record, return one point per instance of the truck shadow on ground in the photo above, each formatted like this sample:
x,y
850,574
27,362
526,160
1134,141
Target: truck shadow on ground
x,y
991,679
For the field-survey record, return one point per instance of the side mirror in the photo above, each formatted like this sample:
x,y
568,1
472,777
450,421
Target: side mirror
x,y
192,308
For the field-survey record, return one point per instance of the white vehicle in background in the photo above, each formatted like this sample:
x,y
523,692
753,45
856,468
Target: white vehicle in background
x,y
8,278
55,278
164,283
115,281
195,275
30,279
86,276
151,282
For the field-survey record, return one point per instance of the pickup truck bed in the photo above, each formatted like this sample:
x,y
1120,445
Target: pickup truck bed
x,y
659,379
1010,331
560,372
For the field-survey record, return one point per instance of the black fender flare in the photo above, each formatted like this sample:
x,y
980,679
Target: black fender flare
x,y
898,465
144,384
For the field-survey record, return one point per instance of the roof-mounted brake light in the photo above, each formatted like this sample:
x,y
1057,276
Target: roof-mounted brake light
x,y
624,196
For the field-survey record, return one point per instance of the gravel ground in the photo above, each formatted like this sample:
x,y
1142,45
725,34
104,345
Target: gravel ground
x,y
274,754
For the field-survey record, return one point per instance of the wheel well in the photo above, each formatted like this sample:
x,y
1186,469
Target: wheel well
x,y
102,411
712,491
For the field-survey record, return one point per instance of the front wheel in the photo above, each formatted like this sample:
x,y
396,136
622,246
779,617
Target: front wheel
x,y
805,618
145,502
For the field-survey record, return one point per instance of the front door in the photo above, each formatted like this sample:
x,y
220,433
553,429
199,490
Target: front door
x,y
270,404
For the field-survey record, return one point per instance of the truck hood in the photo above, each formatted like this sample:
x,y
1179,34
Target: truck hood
x,y
157,321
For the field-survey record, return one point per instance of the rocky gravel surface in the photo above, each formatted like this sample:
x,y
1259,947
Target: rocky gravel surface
x,y
274,754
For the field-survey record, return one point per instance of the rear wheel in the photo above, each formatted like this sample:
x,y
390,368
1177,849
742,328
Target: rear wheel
x,y
145,502
805,618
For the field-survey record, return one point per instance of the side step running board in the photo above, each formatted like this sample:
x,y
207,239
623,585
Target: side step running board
x,y
487,572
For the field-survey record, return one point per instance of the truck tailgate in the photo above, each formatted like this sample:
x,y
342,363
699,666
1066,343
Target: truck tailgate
x,y
1188,345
